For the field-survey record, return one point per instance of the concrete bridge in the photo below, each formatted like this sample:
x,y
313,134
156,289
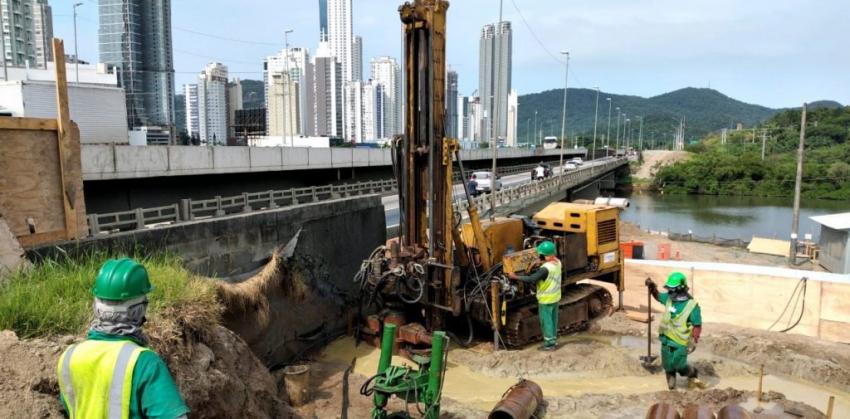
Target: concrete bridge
x,y
519,192
121,177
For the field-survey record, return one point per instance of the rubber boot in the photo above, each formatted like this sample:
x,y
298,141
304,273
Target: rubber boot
x,y
671,381
693,379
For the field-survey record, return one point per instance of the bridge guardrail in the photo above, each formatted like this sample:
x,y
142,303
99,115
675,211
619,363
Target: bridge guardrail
x,y
191,209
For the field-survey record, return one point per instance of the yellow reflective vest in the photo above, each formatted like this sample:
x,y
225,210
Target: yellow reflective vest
x,y
95,378
676,328
549,289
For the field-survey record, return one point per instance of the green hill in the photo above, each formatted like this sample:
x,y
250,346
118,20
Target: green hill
x,y
705,110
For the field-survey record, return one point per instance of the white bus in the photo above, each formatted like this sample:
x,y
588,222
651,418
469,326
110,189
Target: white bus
x,y
550,143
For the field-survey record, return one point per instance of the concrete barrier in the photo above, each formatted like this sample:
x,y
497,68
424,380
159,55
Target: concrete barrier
x,y
139,161
753,296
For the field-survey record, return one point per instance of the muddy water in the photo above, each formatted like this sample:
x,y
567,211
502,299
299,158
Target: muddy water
x,y
481,390
811,394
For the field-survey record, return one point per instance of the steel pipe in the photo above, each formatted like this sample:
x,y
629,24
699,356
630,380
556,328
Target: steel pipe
x,y
519,402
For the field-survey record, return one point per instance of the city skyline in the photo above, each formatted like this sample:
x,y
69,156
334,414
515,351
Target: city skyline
x,y
625,48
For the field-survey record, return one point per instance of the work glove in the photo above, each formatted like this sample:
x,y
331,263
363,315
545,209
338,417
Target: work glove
x,y
697,330
650,283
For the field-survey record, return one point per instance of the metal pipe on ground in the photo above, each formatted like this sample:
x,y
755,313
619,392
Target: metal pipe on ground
x,y
519,402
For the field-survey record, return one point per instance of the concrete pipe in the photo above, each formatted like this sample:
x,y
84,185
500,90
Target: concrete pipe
x,y
621,203
519,402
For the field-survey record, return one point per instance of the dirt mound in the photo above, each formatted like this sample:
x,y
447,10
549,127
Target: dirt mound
x,y
797,356
217,374
655,159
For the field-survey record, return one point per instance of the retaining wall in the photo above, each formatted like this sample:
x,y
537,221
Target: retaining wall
x,y
752,296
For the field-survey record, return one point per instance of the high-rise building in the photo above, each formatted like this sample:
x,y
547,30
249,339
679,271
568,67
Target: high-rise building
x,y
134,37
296,63
326,94
282,101
234,103
494,79
212,105
386,72
364,107
357,59
27,30
190,91
340,39
513,108
463,117
323,20
451,104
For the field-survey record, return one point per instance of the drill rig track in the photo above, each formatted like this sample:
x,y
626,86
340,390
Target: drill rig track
x,y
580,305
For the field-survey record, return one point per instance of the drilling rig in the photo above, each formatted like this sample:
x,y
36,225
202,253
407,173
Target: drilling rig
x,y
446,268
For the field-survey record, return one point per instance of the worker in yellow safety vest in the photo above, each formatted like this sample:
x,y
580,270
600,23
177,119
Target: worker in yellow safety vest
x,y
112,374
679,330
548,281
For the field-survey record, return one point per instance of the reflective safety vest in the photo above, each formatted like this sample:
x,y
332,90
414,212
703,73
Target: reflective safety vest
x,y
676,328
549,289
95,378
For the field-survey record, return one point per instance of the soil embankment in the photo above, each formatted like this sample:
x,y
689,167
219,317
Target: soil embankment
x,y
655,159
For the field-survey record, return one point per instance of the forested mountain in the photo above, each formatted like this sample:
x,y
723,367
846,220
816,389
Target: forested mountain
x,y
704,110
736,167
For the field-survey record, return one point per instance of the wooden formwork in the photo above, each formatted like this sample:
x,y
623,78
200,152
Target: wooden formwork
x,y
41,183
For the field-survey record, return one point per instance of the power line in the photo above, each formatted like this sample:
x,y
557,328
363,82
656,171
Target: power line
x,y
224,38
533,34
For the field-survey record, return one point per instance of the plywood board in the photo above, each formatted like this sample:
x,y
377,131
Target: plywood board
x,y
835,303
769,246
31,184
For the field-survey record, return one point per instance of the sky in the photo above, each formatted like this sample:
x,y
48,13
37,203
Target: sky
x,y
776,53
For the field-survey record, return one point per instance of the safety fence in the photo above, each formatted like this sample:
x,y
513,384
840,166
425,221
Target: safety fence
x,y
717,241
193,209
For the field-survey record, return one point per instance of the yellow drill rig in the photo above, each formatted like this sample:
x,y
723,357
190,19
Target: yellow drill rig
x,y
444,269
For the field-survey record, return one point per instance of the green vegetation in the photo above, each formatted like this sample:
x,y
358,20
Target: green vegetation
x,y
54,297
736,168
705,110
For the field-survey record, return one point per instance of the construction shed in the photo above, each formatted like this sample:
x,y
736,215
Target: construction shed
x,y
834,242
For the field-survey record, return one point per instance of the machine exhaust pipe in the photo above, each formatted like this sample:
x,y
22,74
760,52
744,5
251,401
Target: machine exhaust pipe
x,y
519,402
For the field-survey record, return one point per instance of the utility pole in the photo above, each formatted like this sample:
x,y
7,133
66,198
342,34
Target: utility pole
x,y
496,125
763,141
795,220
595,118
76,56
564,113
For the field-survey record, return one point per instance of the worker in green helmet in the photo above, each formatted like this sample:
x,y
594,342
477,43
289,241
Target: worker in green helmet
x,y
112,374
679,329
548,280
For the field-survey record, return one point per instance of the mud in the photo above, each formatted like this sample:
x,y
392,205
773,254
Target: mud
x,y
598,374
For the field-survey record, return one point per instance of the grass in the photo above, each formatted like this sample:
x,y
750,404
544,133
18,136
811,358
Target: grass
x,y
54,298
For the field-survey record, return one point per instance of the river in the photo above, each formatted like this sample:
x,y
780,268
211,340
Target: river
x,y
728,217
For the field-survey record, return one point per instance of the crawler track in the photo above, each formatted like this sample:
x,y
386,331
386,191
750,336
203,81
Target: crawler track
x,y
580,305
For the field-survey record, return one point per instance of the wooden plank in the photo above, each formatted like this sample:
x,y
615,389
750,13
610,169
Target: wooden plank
x,y
39,124
638,316
41,238
64,121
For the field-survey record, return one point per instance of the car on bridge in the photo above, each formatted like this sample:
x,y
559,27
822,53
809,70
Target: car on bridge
x,y
570,165
485,181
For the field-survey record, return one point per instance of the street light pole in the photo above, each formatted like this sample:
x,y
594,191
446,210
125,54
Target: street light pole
x,y
564,112
535,126
608,133
76,54
617,145
288,86
640,135
595,118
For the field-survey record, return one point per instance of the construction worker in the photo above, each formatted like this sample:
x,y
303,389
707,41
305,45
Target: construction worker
x,y
112,374
472,186
680,328
548,280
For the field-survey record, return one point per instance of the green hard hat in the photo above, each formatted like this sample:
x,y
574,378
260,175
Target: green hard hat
x,y
675,280
546,248
121,280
